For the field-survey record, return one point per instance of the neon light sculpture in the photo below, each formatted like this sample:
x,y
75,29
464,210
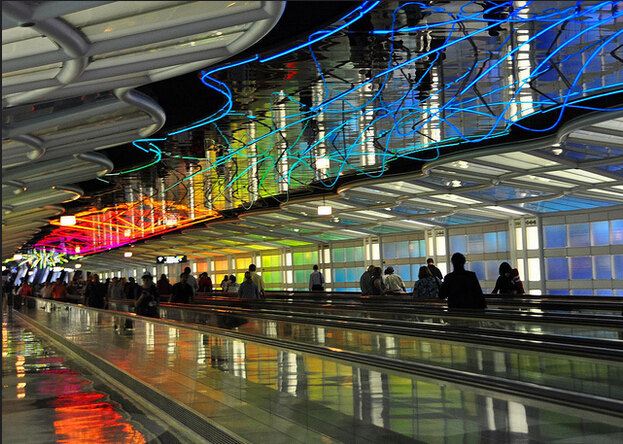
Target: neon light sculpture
x,y
537,59
100,230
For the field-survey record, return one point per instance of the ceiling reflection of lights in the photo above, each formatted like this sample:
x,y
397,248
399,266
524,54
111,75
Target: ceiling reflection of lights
x,y
100,230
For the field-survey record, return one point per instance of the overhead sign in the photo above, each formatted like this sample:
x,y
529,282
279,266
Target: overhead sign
x,y
171,259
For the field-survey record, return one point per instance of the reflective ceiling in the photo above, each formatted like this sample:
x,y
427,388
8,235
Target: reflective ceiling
x,y
393,83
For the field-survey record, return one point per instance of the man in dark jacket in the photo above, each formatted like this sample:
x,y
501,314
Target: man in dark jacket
x,y
461,287
365,281
182,292
95,293
436,272
147,303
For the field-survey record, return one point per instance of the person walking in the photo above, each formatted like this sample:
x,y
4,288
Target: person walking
x,y
182,292
365,281
257,279
436,272
427,285
504,283
248,289
394,283
461,287
163,285
376,282
233,285
95,293
59,290
191,281
205,283
225,284
316,280
147,303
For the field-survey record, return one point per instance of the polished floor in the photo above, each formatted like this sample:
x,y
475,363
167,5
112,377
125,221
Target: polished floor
x,y
270,394
45,399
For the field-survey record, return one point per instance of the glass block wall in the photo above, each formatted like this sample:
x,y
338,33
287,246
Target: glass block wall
x,y
577,254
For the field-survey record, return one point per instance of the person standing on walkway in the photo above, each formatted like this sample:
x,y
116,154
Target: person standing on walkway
x,y
461,287
248,289
147,303
436,272
393,282
257,279
182,292
191,281
365,281
95,293
316,280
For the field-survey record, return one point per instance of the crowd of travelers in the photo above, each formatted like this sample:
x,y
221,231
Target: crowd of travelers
x,y
460,288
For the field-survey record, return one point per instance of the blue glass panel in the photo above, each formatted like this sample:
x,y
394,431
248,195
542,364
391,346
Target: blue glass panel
x,y
353,274
558,292
389,250
602,267
339,275
492,270
458,242
618,266
504,192
604,293
582,292
402,249
338,254
579,235
502,241
417,248
566,203
556,268
555,236
491,242
477,267
600,233
404,271
475,243
617,231
581,267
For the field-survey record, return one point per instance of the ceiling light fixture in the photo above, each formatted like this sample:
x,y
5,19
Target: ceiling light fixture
x,y
68,221
557,151
77,250
127,254
325,210
323,163
78,266
17,257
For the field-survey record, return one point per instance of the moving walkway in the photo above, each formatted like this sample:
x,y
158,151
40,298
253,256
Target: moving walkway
x,y
280,390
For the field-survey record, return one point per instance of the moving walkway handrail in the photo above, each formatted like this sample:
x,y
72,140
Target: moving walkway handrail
x,y
597,404
436,309
583,347
409,296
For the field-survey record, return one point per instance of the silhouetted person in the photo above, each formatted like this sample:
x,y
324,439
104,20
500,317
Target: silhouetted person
x,y
182,292
95,293
365,281
248,289
461,287
504,283
316,280
436,272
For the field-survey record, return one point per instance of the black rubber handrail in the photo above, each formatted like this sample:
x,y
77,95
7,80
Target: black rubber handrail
x,y
597,404
440,310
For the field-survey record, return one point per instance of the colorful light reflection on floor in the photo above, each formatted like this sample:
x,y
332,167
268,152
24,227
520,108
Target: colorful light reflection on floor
x,y
43,400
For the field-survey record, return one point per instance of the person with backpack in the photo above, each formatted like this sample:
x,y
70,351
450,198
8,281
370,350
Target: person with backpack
x,y
95,293
182,292
316,280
